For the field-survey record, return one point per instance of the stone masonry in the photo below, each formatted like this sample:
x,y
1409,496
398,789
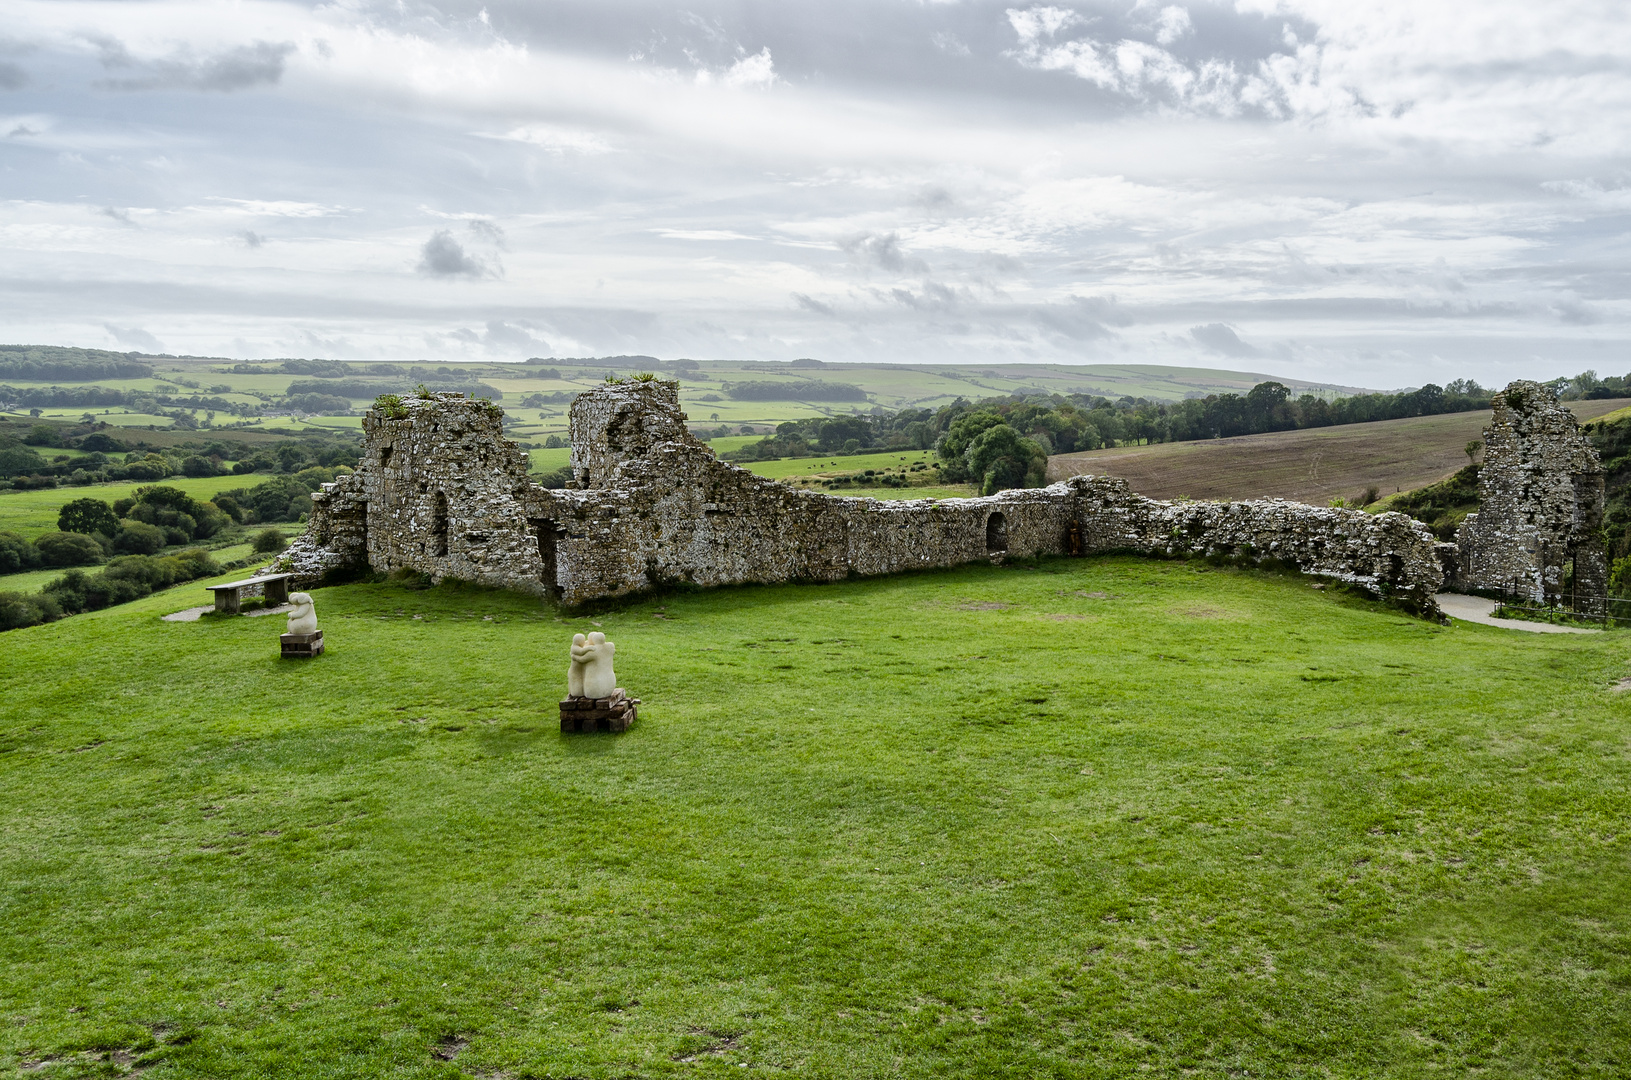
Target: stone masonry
x,y
1541,503
440,490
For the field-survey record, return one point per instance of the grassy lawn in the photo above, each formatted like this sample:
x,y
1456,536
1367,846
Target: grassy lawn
x,y
550,460
1204,823
831,466
31,513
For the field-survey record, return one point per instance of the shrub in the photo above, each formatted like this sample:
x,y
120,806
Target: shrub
x,y
43,435
88,516
798,390
198,465
229,506
68,549
17,610
139,538
391,407
555,479
1619,577
269,541
19,461
127,578
1002,458
16,553
554,442
176,512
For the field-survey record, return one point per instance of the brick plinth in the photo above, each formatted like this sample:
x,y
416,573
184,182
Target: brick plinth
x,y
615,713
301,646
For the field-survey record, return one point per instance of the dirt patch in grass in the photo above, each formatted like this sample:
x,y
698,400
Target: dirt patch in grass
x,y
720,1043
450,1047
1201,612
981,605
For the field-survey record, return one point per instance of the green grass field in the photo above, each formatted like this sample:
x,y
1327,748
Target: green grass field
x,y
1091,818
894,386
31,513
832,466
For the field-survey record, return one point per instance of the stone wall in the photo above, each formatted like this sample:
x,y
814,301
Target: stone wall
x,y
441,491
1541,502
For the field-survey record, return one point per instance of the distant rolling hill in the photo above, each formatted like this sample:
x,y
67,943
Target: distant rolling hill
x,y
1313,465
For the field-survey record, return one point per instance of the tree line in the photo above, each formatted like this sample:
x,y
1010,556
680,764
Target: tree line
x,y
1004,442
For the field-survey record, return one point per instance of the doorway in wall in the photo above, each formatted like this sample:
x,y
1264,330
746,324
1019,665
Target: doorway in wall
x,y
996,534
546,531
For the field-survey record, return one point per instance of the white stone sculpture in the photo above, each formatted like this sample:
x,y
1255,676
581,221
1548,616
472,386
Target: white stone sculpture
x,y
303,619
574,668
590,673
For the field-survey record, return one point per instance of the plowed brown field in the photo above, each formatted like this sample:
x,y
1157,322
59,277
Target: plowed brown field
x,y
1313,466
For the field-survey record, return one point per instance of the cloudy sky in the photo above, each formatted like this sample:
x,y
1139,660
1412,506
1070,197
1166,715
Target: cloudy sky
x,y
1378,193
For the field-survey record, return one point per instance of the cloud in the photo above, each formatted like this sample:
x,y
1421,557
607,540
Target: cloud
x,y
1221,339
934,297
251,238
503,337
883,251
444,257
134,336
810,303
554,138
751,71
1172,24
258,64
12,76
1148,73
488,231
122,216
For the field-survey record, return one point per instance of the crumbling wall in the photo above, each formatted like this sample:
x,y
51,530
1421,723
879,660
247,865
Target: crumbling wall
x,y
1541,502
621,422
440,490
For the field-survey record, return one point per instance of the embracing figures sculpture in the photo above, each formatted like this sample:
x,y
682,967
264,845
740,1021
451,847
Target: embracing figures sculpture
x,y
594,701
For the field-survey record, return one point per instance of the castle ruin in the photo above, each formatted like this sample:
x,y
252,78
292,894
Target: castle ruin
x,y
1538,532
441,491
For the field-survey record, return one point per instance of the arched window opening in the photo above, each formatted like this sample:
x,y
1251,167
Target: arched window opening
x,y
996,534
438,526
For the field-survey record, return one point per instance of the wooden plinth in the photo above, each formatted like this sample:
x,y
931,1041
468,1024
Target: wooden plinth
x,y
301,646
582,714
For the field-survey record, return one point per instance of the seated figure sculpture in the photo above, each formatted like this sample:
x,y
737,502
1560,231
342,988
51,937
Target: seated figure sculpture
x,y
302,640
599,681
303,619
594,701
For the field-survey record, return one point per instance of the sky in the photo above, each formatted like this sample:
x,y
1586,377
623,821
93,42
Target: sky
x,y
1372,193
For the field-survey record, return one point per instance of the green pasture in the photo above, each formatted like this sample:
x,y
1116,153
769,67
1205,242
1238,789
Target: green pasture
x,y
550,460
31,513
1082,818
229,546
830,466
32,581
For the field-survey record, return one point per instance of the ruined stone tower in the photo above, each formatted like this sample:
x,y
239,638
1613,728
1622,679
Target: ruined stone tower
x,y
1539,528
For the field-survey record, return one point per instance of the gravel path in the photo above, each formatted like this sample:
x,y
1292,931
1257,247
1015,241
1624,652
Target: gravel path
x,y
1477,609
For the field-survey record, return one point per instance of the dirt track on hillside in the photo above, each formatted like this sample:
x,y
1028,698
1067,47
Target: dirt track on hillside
x,y
1312,466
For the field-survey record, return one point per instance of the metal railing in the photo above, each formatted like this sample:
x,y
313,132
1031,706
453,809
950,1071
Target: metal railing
x,y
1515,601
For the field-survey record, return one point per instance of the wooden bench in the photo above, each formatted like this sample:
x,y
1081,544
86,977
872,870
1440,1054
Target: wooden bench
x,y
227,596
